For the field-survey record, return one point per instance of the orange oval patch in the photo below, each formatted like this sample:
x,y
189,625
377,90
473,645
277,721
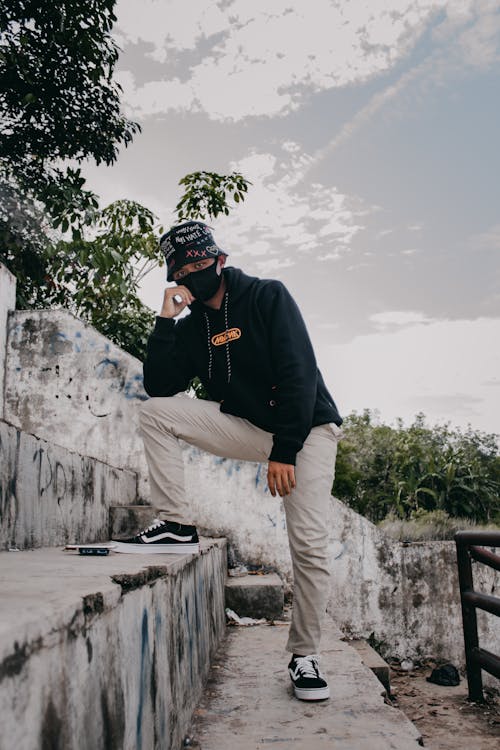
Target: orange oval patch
x,y
222,338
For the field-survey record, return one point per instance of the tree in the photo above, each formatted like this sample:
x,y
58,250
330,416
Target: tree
x,y
24,240
58,100
206,194
97,274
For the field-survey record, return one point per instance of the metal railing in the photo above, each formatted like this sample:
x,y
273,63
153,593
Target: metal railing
x,y
470,546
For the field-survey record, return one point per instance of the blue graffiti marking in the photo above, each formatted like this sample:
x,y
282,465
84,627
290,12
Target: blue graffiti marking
x,y
134,388
144,678
261,478
103,364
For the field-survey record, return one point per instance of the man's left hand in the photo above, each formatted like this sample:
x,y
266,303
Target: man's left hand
x,y
280,478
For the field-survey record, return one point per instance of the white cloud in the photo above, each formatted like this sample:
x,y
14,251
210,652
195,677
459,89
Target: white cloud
x,y
273,264
477,46
155,96
357,266
281,221
439,367
488,240
330,256
168,25
397,318
265,55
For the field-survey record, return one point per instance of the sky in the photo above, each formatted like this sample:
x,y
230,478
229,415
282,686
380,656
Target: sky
x,y
369,131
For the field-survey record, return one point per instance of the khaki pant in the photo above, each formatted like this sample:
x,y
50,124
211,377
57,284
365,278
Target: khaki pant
x,y
202,424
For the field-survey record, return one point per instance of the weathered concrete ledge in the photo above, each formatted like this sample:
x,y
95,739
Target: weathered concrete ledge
x,y
249,701
7,303
256,596
50,496
107,652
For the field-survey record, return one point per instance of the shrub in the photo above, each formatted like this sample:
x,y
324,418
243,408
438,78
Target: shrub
x,y
400,470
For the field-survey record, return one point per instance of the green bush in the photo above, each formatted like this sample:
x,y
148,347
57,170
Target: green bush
x,y
399,471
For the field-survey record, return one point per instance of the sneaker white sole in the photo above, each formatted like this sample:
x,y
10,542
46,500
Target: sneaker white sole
x,y
156,549
312,694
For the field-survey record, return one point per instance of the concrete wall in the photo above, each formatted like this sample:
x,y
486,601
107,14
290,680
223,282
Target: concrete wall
x,y
51,496
7,303
67,383
407,595
231,499
117,661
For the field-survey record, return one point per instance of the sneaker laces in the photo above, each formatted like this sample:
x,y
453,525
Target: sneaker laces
x,y
308,665
155,525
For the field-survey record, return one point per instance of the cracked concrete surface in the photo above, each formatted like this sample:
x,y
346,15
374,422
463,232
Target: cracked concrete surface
x,y
248,701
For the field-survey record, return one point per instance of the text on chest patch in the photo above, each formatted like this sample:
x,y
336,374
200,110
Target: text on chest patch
x,y
222,338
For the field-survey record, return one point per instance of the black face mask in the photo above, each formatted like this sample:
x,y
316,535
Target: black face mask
x,y
203,284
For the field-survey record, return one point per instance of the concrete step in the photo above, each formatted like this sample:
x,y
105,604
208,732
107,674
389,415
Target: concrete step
x,y
256,596
106,652
373,661
249,703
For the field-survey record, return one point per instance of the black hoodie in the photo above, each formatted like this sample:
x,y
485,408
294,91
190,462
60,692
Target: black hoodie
x,y
253,355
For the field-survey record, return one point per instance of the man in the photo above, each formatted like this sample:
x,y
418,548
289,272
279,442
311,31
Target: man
x,y
246,341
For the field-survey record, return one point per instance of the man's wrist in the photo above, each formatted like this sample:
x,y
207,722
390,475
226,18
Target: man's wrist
x,y
284,453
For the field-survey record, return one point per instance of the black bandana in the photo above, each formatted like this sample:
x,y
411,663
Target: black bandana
x,y
187,243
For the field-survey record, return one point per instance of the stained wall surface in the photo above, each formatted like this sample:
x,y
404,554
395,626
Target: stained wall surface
x,y
70,385
67,383
106,653
404,594
51,496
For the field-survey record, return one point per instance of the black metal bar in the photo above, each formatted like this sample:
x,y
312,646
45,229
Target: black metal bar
x,y
488,661
482,601
485,556
469,619
476,658
484,538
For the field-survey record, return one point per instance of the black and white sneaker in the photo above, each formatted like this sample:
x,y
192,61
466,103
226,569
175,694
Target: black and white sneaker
x,y
162,536
308,682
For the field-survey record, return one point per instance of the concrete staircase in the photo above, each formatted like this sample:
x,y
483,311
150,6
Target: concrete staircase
x,y
248,701
114,652
123,652
106,652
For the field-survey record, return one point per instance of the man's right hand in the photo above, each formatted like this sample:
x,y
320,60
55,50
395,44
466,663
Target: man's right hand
x,y
171,308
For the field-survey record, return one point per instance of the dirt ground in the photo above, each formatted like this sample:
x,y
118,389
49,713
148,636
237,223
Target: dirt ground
x,y
444,716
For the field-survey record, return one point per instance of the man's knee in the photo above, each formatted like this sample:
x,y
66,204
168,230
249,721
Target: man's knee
x,y
162,412
146,409
150,410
